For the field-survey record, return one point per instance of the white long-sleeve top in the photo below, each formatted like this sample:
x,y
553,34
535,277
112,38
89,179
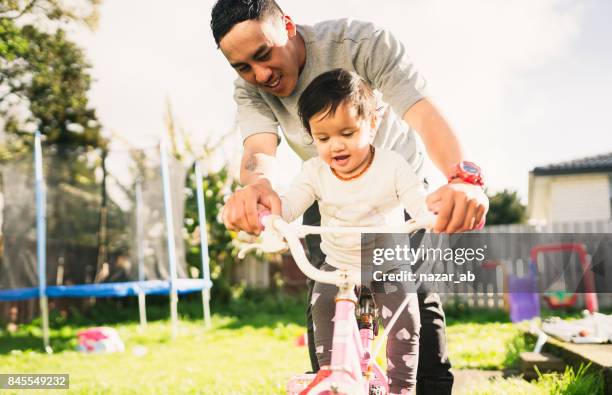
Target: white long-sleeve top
x,y
364,201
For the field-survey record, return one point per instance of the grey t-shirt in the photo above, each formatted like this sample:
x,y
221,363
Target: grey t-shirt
x,y
373,53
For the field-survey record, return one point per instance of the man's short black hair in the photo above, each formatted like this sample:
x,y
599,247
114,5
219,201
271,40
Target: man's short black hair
x,y
330,89
227,13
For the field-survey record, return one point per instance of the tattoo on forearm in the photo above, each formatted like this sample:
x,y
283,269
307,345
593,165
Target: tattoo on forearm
x,y
251,163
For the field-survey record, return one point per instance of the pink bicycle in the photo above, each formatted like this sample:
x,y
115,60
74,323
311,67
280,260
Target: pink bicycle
x,y
353,369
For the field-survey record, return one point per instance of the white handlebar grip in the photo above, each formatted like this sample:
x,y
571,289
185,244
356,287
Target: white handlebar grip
x,y
246,237
243,251
262,215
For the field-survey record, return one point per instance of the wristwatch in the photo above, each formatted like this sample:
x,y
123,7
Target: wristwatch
x,y
468,172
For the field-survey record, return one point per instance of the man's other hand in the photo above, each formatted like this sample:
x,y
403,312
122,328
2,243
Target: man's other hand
x,y
240,211
460,207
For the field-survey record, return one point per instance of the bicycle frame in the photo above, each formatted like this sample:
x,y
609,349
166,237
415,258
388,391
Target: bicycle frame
x,y
353,367
349,357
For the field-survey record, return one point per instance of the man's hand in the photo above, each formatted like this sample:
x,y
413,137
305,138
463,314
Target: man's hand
x,y
460,207
240,211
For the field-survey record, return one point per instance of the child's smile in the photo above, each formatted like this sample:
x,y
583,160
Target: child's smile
x,y
340,160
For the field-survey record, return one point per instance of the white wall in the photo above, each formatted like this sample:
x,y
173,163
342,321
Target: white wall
x,y
566,198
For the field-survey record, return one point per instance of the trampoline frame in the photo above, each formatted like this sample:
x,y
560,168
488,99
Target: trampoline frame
x,y
173,287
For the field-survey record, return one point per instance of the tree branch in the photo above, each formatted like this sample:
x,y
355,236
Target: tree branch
x,y
27,8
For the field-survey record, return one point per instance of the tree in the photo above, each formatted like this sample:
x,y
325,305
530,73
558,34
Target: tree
x,y
84,11
43,85
506,208
44,80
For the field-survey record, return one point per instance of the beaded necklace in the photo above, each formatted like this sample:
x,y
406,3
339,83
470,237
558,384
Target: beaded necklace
x,y
367,166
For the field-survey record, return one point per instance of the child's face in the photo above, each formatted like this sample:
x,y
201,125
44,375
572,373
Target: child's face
x,y
343,139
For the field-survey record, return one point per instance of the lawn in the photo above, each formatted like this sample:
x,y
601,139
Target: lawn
x,y
225,359
243,353
249,350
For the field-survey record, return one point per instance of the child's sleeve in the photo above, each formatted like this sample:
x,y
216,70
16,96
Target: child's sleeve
x,y
300,195
410,189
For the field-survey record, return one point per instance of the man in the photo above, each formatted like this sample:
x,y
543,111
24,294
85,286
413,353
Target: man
x,y
275,60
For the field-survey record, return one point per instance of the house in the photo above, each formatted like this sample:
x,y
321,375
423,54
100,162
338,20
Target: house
x,y
576,190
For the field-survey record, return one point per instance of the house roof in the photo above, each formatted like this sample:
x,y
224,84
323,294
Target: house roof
x,y
591,164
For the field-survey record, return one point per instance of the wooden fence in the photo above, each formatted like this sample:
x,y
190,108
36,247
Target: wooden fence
x,y
489,292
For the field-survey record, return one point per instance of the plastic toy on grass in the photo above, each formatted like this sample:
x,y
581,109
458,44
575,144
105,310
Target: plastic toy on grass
x,y
523,294
561,299
593,328
523,297
99,340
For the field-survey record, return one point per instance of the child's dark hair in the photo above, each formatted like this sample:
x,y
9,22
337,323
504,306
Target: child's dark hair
x,y
332,88
228,13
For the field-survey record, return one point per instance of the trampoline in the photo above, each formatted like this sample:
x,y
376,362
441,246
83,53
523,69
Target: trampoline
x,y
83,223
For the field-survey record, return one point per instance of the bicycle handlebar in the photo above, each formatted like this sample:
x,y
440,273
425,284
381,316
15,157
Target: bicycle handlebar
x,y
278,235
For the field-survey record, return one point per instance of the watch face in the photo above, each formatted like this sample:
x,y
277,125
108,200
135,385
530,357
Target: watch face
x,y
469,167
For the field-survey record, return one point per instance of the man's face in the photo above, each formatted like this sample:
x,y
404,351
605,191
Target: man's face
x,y
266,53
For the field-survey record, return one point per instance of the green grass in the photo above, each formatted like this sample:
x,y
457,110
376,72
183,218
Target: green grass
x,y
485,339
481,346
224,359
570,382
481,338
248,350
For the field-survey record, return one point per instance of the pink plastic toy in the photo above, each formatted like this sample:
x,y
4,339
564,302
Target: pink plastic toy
x,y
99,340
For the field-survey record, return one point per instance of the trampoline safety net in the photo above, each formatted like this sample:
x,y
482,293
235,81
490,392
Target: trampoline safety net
x,y
106,232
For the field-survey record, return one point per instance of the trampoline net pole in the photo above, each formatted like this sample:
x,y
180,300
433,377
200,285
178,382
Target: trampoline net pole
x,y
41,243
174,312
206,304
142,303
170,239
203,243
142,308
44,311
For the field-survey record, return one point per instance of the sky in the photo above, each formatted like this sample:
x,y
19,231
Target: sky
x,y
523,83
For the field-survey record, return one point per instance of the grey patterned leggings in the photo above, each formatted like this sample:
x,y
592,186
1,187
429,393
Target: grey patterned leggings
x,y
403,341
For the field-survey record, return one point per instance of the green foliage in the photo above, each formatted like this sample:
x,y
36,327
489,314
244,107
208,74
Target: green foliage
x,y
12,45
84,11
44,82
49,75
261,307
458,310
506,208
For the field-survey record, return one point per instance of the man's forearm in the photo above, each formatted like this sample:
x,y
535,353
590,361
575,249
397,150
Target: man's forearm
x,y
256,166
442,146
440,141
458,207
